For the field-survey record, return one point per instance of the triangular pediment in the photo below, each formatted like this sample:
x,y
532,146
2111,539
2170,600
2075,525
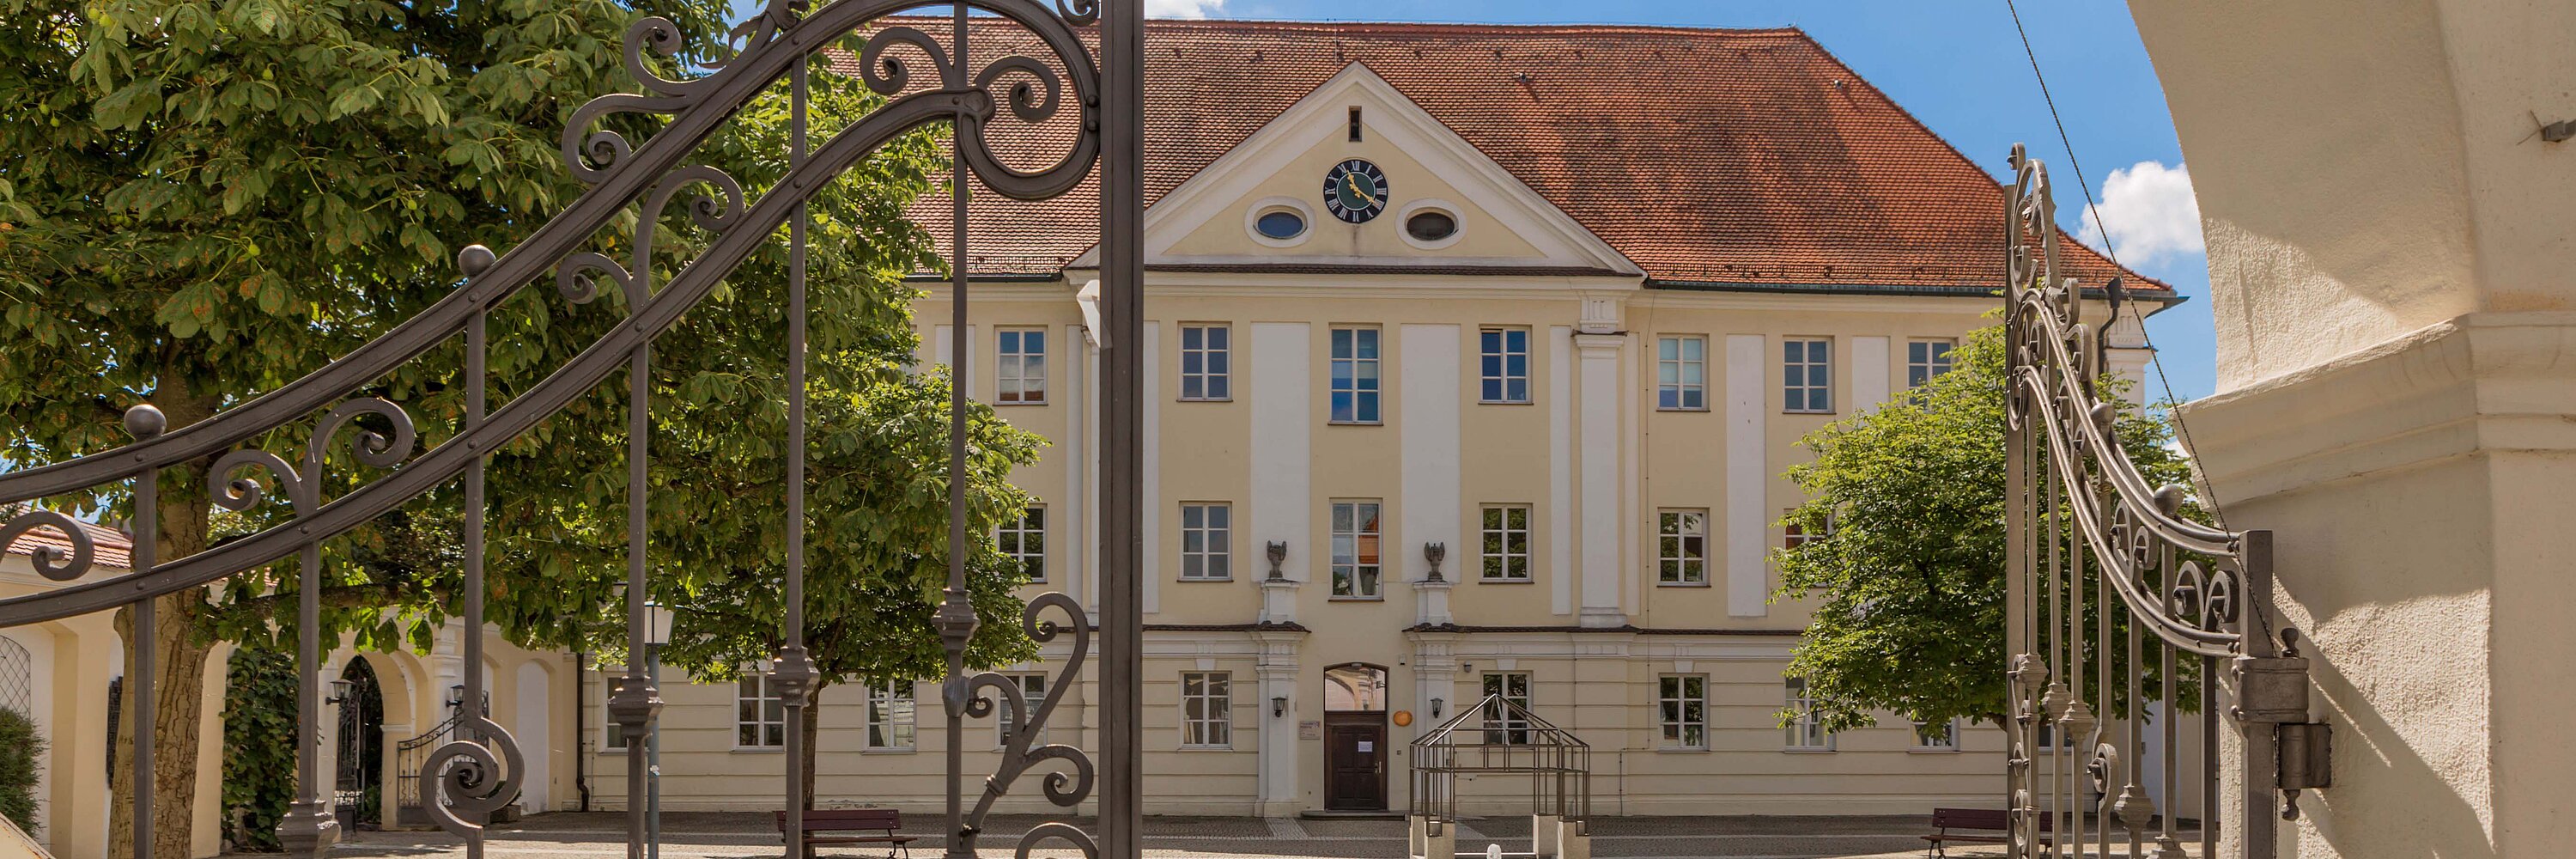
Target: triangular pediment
x,y
1501,225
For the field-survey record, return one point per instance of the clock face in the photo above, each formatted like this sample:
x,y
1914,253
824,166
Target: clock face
x,y
1355,191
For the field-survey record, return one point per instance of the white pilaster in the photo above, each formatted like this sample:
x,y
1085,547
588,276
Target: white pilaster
x,y
1427,436
1073,549
1560,469
1277,672
1598,360
1435,676
1282,420
1151,556
1088,465
1748,476
1870,366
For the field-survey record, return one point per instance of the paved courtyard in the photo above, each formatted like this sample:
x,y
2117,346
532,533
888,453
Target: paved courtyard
x,y
749,836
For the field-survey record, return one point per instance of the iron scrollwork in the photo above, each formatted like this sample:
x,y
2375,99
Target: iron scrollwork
x,y
967,696
2108,576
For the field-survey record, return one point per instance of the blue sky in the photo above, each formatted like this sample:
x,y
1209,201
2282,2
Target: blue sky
x,y
1958,66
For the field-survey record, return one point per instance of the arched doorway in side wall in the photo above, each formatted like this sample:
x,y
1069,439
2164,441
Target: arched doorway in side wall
x,y
359,797
1355,749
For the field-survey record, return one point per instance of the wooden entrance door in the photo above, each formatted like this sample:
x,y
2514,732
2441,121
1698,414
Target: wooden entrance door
x,y
1355,761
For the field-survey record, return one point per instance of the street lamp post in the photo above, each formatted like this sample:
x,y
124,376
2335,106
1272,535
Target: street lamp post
x,y
657,632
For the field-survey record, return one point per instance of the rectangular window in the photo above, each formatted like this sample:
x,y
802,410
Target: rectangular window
x,y
1355,550
1942,737
1025,541
1355,365
890,716
1681,373
1504,365
1682,547
1507,543
1021,373
1807,376
1502,726
759,716
1805,731
1204,554
1681,705
1203,362
1207,719
1032,689
1925,359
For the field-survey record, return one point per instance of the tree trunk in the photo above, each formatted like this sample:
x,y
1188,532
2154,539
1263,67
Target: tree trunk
x,y
179,687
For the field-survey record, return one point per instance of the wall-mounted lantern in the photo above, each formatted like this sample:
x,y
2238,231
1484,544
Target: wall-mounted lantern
x,y
1278,705
1435,708
339,692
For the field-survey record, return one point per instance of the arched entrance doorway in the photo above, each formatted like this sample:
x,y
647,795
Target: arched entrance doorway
x,y
1355,737
360,796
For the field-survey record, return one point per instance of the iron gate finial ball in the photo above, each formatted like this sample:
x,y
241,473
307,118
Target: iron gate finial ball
x,y
145,421
474,260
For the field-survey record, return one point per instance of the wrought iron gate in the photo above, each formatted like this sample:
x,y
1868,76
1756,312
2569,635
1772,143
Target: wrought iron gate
x,y
480,770
2107,576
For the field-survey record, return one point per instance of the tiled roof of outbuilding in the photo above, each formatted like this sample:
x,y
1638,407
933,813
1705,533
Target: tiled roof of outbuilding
x,y
113,547
1705,156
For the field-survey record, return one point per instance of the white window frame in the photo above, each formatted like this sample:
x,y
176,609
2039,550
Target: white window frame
x,y
1495,548
611,740
1807,377
1365,401
769,713
1803,732
1494,355
1210,347
1019,369
1681,373
1211,724
1368,528
1212,524
1033,690
1945,741
1681,711
1501,727
1928,357
1681,547
893,718
1014,537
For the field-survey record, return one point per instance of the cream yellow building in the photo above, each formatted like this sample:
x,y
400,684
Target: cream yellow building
x,y
1476,358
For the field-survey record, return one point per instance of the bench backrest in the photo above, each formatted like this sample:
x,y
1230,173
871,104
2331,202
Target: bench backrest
x,y
847,818
1971,818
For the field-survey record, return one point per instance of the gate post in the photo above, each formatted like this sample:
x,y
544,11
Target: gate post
x,y
1122,276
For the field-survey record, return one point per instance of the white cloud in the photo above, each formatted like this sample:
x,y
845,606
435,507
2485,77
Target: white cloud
x,y
2151,212
1183,8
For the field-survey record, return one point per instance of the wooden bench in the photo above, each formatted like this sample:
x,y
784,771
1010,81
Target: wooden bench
x,y
1980,825
847,826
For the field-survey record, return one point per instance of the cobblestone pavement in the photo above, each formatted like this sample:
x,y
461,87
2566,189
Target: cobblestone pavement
x,y
752,836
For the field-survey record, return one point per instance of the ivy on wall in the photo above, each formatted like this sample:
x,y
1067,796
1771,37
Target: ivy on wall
x,y
20,746
259,744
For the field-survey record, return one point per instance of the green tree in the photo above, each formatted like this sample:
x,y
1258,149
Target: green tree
x,y
210,199
1908,578
259,743
20,747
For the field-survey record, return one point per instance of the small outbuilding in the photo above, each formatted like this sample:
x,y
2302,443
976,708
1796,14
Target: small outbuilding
x,y
1498,737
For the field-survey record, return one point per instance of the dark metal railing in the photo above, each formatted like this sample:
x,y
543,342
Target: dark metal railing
x,y
476,766
2121,611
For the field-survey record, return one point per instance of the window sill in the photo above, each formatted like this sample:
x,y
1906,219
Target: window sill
x,y
1683,585
1799,751
1506,402
1806,412
1688,409
1357,599
1203,399
902,751
1355,423
1485,581
1218,579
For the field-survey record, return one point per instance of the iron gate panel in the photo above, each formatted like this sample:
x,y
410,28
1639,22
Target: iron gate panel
x,y
2194,598
472,773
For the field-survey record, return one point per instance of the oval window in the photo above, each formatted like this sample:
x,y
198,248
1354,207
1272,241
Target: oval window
x,y
1431,225
1280,224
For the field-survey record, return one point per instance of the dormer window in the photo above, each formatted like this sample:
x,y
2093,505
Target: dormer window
x,y
1355,124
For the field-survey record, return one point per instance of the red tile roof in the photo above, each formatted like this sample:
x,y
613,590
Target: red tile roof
x,y
114,548
1705,156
